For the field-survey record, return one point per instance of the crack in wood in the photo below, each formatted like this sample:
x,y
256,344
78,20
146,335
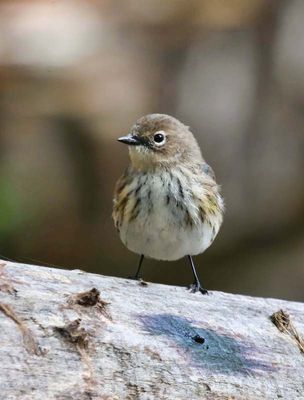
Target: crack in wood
x,y
77,335
29,340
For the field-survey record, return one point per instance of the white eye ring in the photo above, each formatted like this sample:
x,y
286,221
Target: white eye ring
x,y
159,138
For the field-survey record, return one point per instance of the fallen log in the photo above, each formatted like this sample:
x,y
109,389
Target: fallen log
x,y
73,335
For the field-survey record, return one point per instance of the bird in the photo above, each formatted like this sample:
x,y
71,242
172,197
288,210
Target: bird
x,y
167,204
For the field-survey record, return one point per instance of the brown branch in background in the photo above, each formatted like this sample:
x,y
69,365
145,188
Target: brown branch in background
x,y
283,322
171,62
82,151
265,36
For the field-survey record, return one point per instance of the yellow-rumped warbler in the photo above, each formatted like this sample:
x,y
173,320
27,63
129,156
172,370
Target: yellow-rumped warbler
x,y
167,204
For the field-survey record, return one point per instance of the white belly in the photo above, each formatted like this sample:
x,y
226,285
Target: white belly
x,y
161,233
164,243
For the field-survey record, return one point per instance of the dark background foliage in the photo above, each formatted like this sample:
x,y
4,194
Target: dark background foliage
x,y
76,74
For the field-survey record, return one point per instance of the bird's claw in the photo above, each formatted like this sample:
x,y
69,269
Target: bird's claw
x,y
196,287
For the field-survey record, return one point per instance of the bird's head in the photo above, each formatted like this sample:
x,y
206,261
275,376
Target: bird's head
x,y
161,140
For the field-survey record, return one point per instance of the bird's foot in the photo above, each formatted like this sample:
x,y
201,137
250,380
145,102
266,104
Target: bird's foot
x,y
139,280
196,287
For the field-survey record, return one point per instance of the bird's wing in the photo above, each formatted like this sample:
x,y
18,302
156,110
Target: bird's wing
x,y
120,199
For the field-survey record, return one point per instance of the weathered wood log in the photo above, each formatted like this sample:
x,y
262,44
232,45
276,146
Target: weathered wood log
x,y
74,335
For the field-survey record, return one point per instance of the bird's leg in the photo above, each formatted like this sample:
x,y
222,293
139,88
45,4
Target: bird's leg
x,y
136,276
196,285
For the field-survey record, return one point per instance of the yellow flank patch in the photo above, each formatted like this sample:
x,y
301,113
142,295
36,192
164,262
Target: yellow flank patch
x,y
209,204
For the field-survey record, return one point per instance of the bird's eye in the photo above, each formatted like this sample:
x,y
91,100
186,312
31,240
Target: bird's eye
x,y
159,138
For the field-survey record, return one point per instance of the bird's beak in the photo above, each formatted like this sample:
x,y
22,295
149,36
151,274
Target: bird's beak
x,y
130,140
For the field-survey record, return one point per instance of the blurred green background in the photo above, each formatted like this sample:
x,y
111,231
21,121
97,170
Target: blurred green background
x,y
76,74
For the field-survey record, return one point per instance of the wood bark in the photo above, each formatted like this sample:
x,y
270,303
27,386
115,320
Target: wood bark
x,y
73,335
